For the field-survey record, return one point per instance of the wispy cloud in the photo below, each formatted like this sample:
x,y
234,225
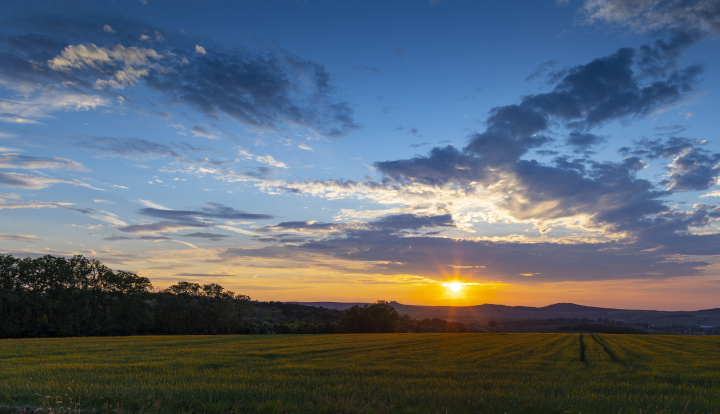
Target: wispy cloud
x,y
36,182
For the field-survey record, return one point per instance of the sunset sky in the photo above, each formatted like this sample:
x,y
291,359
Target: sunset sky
x,y
356,150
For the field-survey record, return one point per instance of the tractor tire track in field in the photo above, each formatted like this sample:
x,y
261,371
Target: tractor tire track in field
x,y
582,350
613,356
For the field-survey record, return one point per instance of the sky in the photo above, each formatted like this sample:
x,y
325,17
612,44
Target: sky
x,y
538,151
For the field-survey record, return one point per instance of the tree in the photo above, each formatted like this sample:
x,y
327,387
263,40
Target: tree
x,y
376,318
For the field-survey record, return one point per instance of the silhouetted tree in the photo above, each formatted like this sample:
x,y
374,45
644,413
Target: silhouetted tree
x,y
375,318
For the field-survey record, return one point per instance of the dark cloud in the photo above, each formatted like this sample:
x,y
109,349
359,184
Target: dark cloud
x,y
582,140
391,224
367,69
605,89
211,211
412,221
267,87
429,256
173,220
693,167
301,225
209,236
542,69
161,226
422,144
589,95
659,59
202,132
116,238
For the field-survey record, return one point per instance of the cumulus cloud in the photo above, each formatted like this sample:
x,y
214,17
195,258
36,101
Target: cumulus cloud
x,y
124,66
626,219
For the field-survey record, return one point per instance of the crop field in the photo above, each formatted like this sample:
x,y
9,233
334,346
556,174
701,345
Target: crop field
x,y
374,373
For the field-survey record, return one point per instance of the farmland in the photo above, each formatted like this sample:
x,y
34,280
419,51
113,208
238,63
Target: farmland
x,y
376,373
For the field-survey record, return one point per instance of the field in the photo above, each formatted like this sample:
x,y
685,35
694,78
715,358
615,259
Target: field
x,y
379,373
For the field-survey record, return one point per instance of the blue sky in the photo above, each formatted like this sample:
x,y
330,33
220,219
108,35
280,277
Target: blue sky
x,y
537,151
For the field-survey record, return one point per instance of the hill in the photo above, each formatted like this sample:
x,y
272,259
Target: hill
x,y
555,314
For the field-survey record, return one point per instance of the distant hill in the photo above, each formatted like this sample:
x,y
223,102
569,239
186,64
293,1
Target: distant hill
x,y
332,305
479,315
571,307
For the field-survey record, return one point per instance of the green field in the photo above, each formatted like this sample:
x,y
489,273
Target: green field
x,y
374,373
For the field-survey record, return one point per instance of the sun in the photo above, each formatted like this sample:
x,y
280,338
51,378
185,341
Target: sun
x,y
455,286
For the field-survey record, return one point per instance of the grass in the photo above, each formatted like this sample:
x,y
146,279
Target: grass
x,y
380,373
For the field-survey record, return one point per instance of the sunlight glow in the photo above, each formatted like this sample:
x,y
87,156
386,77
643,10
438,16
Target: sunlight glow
x,y
455,286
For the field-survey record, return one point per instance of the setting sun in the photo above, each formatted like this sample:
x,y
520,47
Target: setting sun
x,y
455,286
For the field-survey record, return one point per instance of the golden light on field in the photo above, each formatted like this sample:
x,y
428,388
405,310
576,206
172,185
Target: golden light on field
x,y
455,286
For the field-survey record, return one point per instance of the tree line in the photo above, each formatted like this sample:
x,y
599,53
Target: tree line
x,y
58,296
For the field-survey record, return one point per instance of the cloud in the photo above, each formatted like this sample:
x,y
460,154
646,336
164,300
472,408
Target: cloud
x,y
121,66
486,260
146,238
265,88
36,182
161,226
542,69
389,224
12,160
135,148
174,220
32,204
601,195
40,102
212,210
693,168
199,131
20,237
101,215
108,29
265,159
623,218
583,141
652,15
209,236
